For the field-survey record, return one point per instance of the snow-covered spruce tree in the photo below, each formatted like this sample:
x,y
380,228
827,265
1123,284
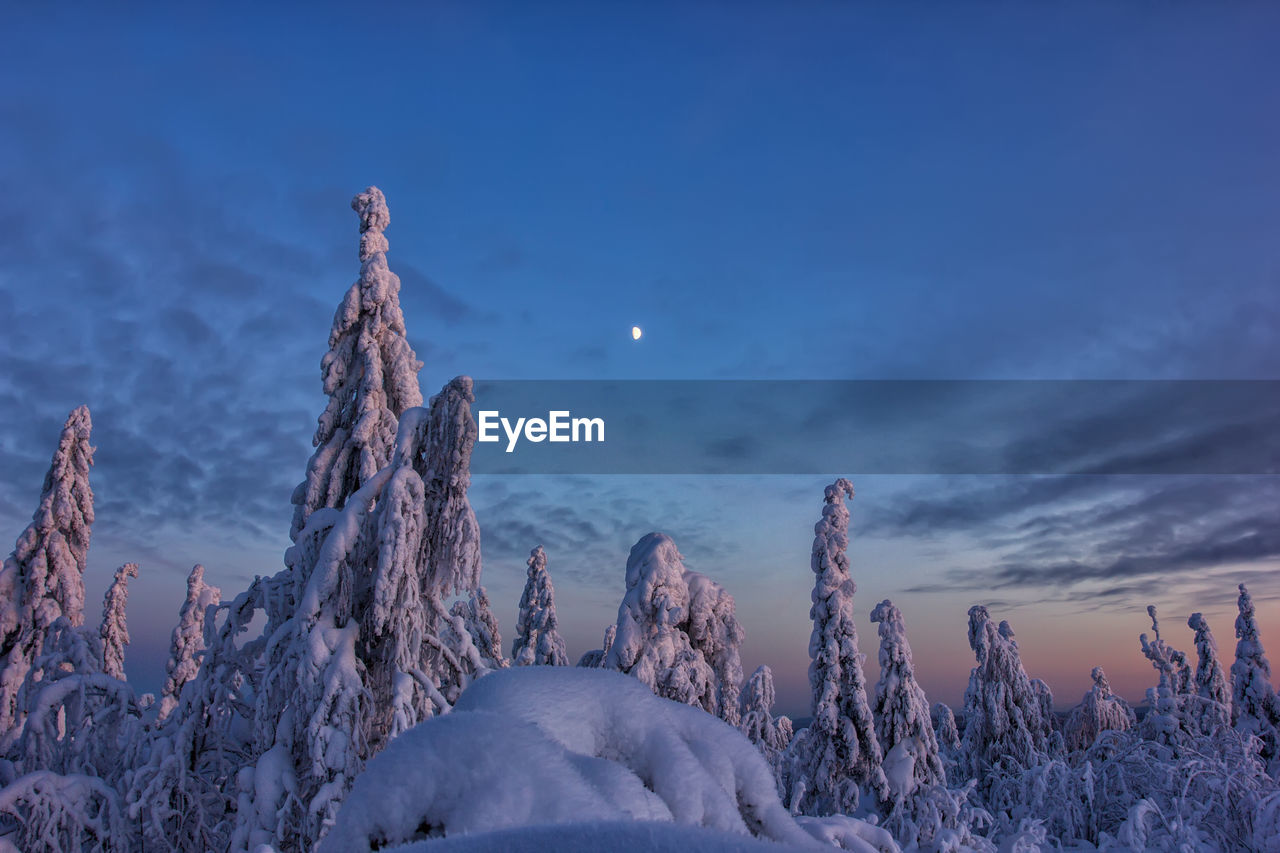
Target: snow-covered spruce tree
x,y
1164,723
370,374
538,642
481,628
837,756
1101,710
756,721
1209,708
114,630
184,795
677,631
901,711
187,643
947,735
371,649
595,658
43,579
1255,708
1004,718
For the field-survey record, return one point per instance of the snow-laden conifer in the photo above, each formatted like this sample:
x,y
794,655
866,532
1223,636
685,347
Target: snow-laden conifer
x,y
903,726
1100,710
1209,707
1004,712
370,374
755,707
481,628
114,630
1255,707
1164,723
371,649
595,658
43,579
538,641
838,755
677,631
187,642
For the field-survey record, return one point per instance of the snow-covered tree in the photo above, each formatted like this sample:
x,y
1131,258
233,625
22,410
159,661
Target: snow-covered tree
x,y
901,711
595,658
481,628
1210,705
1100,710
187,643
371,649
756,721
1164,723
43,579
114,630
370,374
538,642
838,755
1255,707
1004,712
184,795
677,631
947,735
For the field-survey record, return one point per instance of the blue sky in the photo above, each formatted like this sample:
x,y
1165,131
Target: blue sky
x,y
820,191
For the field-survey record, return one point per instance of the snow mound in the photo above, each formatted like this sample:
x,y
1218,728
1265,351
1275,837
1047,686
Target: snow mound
x,y
594,837
536,746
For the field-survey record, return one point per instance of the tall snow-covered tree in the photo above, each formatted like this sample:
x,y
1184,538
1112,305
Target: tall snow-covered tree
x,y
538,641
187,643
677,630
43,579
370,374
114,630
1004,713
755,707
371,649
1210,705
1255,707
903,726
1100,710
838,755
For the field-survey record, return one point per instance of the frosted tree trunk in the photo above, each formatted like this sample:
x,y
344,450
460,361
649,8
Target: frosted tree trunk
x,y
114,630
838,755
43,579
187,643
538,641
370,374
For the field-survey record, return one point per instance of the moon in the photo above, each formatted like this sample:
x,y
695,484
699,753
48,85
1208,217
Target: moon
x,y
636,333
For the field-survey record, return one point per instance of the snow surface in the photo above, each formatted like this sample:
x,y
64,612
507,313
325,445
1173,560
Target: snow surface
x,y
550,745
